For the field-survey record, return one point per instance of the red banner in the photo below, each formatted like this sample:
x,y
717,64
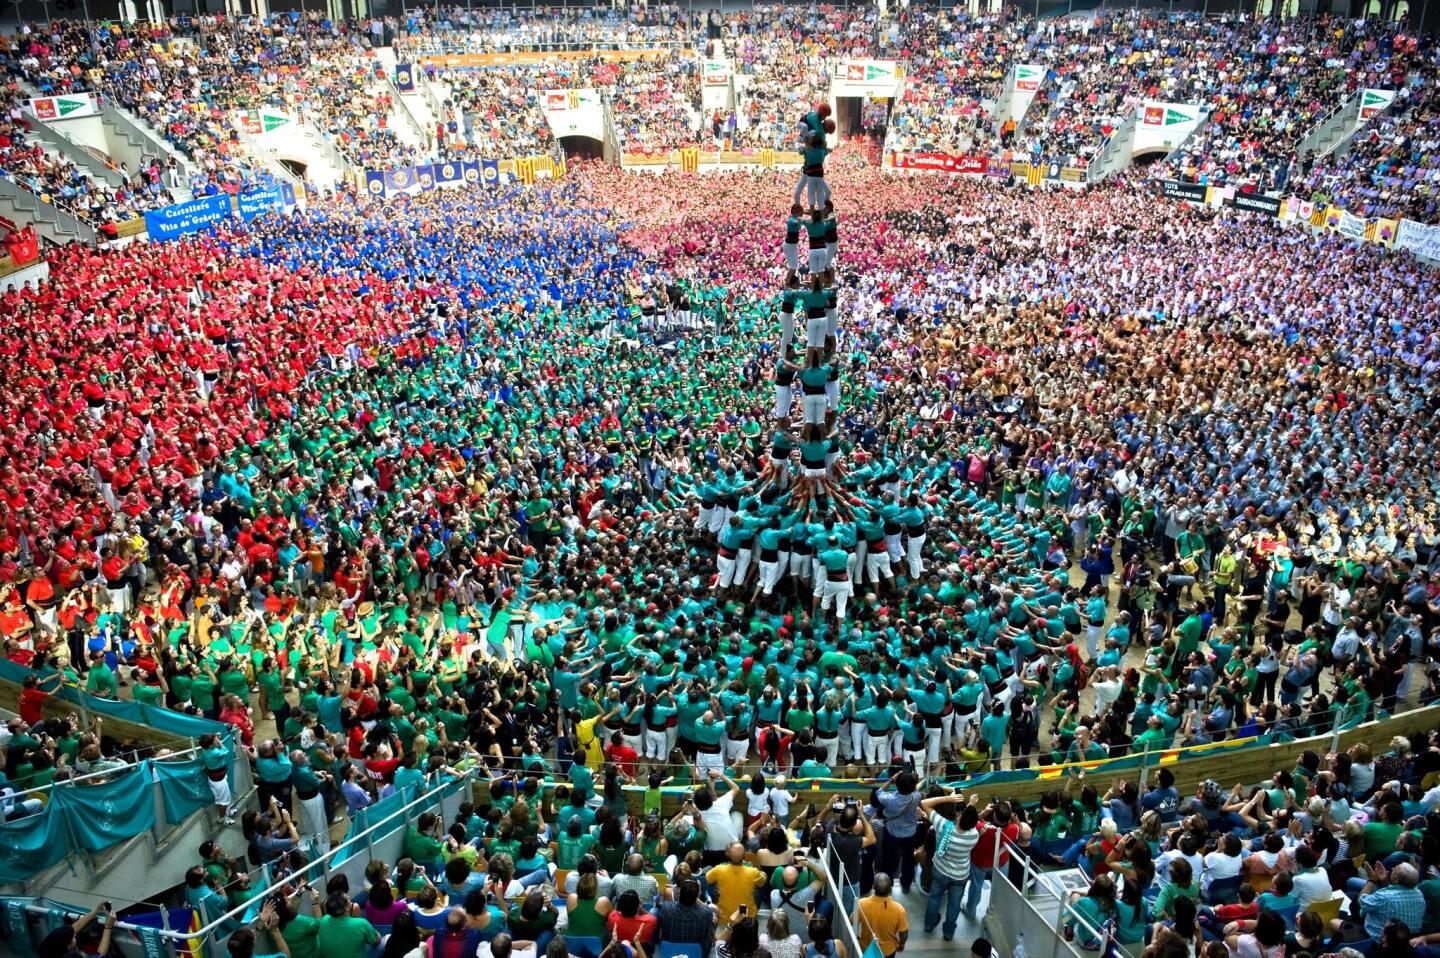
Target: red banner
x,y
941,162
23,246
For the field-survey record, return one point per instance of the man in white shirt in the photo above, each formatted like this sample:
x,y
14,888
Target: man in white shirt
x,y
715,812
1108,687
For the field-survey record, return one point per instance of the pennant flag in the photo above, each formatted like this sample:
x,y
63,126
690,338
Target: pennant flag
x,y
470,172
489,173
525,169
375,183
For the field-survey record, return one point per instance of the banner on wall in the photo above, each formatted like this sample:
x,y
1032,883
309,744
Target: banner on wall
x,y
448,173
375,182
398,180
425,176
191,216
689,159
941,162
489,173
539,57
405,77
1169,114
68,107
717,72
256,122
1373,102
260,201
1028,77
1256,203
1189,192
1419,239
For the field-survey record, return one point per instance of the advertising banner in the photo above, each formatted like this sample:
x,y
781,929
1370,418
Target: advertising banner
x,y
1190,192
1373,102
1028,77
256,122
872,78
1256,203
66,107
191,216
941,162
717,72
1169,114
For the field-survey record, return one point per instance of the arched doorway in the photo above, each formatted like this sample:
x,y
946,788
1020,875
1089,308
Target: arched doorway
x,y
579,147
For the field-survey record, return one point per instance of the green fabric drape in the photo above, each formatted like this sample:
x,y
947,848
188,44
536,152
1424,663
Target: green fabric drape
x,y
101,815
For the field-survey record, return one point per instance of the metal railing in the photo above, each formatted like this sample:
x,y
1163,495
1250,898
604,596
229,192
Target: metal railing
x,y
398,98
1013,912
218,929
134,762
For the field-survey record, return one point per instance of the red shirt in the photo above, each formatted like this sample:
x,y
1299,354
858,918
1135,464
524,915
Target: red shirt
x,y
624,758
983,855
32,705
640,929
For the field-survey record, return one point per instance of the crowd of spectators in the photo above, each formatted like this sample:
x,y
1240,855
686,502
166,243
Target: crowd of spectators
x,y
56,180
954,75
1389,168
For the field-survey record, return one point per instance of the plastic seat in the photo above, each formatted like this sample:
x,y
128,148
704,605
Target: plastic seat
x,y
1223,890
1327,910
669,949
585,946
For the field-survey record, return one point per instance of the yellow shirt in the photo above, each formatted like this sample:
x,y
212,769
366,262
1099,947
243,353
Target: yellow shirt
x,y
590,743
735,886
883,921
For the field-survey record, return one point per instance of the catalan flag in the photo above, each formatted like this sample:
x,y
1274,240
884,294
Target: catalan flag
x,y
690,159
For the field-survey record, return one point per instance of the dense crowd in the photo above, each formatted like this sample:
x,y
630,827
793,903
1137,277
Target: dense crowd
x,y
1261,86
428,474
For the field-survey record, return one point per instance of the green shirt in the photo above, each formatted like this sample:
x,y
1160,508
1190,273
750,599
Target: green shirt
x,y
301,935
345,936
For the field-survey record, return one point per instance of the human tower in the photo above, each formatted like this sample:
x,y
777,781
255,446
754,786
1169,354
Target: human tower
x,y
825,524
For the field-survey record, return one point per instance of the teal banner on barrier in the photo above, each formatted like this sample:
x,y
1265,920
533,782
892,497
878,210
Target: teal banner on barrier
x,y
154,716
101,815
17,926
183,788
32,844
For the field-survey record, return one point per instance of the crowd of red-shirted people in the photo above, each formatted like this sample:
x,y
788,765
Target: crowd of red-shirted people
x,y
130,372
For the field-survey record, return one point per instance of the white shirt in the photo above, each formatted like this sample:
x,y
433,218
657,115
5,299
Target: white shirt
x,y
1311,886
1218,867
719,829
1106,693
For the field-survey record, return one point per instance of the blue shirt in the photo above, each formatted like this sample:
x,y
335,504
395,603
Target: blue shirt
x,y
899,813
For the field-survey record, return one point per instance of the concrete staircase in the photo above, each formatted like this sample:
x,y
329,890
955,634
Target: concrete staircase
x,y
1333,127
53,139
127,133
19,205
1117,152
412,119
